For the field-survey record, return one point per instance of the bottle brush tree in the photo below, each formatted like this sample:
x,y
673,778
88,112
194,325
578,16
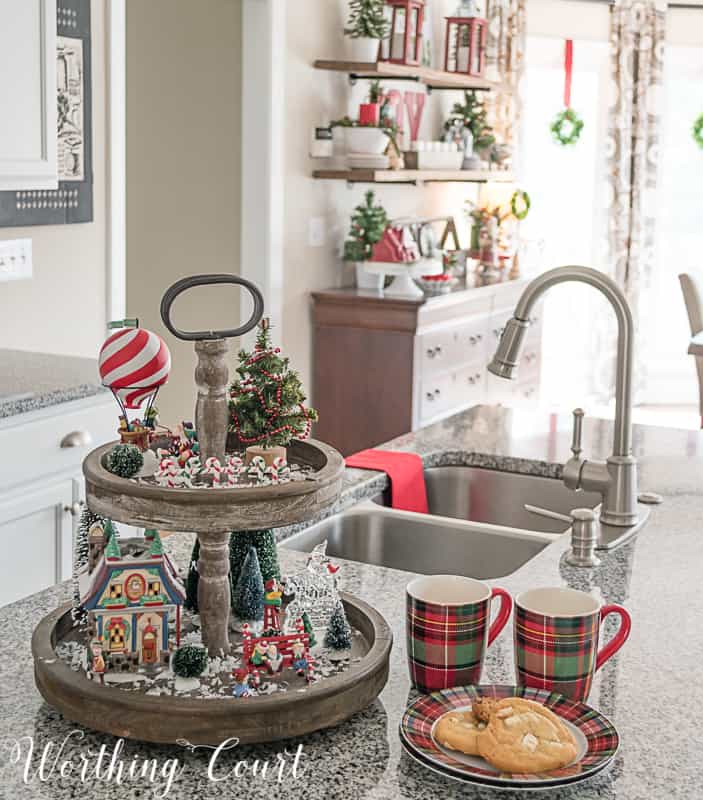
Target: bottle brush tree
x,y
81,551
249,591
367,20
368,224
125,460
307,627
189,661
338,635
472,114
265,545
266,405
191,601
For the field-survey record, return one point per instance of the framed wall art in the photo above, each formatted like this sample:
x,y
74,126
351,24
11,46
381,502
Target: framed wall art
x,y
72,202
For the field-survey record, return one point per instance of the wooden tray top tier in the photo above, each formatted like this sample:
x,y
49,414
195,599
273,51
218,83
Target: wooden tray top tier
x,y
214,510
168,719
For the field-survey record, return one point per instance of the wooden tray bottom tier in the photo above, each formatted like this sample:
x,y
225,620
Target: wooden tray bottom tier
x,y
170,719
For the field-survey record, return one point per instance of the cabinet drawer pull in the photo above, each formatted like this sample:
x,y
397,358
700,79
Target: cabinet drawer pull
x,y
74,509
76,439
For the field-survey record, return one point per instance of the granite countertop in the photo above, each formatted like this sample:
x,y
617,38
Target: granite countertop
x,y
651,689
30,381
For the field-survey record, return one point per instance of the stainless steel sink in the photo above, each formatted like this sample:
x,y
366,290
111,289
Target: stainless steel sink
x,y
420,543
499,498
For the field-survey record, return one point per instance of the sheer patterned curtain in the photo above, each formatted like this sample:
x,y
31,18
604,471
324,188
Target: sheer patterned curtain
x,y
505,48
637,43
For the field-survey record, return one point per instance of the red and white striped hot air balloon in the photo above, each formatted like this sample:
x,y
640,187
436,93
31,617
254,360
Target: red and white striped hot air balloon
x,y
134,363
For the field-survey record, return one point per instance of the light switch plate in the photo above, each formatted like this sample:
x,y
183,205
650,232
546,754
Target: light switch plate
x,y
316,232
15,259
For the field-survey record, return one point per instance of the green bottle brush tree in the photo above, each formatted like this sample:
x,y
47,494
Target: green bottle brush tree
x,y
267,399
368,224
367,20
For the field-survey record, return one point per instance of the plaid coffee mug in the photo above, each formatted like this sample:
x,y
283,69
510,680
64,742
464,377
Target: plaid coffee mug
x,y
447,627
556,639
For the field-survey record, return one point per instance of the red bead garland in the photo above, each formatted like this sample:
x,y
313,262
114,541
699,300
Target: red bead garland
x,y
246,386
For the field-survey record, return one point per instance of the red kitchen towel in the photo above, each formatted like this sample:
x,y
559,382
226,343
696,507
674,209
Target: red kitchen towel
x,y
405,471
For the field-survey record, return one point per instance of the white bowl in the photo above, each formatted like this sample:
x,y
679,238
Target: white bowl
x,y
366,140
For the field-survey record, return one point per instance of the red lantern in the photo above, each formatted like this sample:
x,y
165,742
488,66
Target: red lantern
x,y
465,45
405,44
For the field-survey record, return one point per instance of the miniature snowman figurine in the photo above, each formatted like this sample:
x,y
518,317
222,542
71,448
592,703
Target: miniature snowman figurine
x,y
300,662
97,665
241,686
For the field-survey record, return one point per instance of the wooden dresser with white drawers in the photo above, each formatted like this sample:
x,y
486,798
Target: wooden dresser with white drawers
x,y
385,366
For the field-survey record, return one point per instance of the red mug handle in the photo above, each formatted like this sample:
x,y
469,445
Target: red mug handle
x,y
620,637
506,606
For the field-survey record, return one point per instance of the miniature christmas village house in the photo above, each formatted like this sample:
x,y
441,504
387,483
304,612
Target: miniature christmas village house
x,y
132,595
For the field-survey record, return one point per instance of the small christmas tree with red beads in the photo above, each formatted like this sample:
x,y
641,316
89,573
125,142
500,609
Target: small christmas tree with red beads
x,y
266,405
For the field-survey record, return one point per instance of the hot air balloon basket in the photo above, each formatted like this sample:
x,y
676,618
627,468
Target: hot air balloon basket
x,y
137,436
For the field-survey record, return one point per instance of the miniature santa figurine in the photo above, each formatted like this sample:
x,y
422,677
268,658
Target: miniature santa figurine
x,y
272,605
255,679
241,686
300,662
97,666
259,657
275,659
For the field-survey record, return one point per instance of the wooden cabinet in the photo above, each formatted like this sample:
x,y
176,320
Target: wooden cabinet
x,y
386,366
42,490
28,140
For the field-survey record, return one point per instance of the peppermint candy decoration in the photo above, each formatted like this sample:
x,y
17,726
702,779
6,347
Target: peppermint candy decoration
x,y
133,363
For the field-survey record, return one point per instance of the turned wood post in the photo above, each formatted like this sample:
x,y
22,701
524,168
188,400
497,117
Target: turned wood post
x,y
213,591
211,408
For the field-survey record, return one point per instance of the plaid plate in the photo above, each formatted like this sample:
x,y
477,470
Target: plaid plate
x,y
416,727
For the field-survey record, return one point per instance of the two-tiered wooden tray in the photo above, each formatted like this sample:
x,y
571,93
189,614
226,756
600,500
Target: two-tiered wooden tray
x,y
213,514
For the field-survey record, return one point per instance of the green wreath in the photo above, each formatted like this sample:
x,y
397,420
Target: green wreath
x,y
520,195
698,131
566,127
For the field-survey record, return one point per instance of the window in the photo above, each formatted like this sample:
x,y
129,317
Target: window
x,y
117,636
115,592
679,232
154,588
565,185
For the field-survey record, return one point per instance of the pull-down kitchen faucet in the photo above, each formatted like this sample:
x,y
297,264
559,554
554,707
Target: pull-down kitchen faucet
x,y
616,477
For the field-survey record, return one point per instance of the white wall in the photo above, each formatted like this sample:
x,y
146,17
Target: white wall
x,y
183,171
62,309
314,29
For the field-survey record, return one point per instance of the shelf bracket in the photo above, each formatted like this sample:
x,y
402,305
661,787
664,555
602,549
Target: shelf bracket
x,y
354,77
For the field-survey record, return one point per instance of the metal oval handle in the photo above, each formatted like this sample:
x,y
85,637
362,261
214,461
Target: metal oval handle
x,y
76,439
207,280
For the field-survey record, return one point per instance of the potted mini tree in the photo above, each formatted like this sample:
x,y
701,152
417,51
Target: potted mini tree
x,y
266,401
471,117
366,27
368,224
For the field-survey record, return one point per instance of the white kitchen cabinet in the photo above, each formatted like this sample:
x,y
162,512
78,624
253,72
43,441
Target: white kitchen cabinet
x,y
28,139
42,489
36,528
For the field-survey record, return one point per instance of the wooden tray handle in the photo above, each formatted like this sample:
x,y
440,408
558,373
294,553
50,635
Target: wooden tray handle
x,y
206,280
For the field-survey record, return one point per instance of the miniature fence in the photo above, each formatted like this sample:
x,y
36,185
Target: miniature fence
x,y
284,644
